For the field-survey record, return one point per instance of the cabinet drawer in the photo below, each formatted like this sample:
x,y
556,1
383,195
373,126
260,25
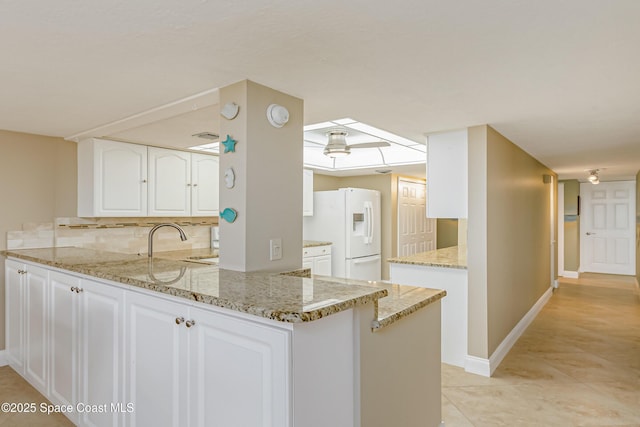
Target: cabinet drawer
x,y
316,251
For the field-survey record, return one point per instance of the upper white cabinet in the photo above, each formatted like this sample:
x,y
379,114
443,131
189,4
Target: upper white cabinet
x,y
112,179
120,179
447,172
307,192
169,182
204,185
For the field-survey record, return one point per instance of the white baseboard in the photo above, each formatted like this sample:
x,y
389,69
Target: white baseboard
x,y
477,365
571,274
3,358
486,367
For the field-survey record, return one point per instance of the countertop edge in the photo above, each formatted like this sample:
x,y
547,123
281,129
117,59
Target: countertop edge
x,y
392,318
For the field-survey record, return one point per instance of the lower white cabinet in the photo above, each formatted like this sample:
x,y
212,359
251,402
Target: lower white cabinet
x,y
65,336
86,351
318,259
187,366
26,321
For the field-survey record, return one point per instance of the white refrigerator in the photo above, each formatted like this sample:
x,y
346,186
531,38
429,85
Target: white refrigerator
x,y
349,218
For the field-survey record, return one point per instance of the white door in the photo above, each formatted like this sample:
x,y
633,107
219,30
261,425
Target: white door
x,y
169,182
101,347
363,222
608,228
63,309
14,310
121,175
204,180
36,327
156,365
416,232
238,372
365,268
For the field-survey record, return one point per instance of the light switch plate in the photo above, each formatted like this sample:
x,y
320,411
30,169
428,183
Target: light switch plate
x,y
275,249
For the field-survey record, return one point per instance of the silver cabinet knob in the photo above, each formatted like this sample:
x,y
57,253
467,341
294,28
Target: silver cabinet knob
x,y
144,181
179,320
589,234
195,185
190,323
74,289
78,290
188,185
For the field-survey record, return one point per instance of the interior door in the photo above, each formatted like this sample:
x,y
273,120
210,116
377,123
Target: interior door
x,y
608,228
416,232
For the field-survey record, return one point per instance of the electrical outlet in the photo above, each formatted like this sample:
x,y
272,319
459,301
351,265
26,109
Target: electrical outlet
x,y
275,249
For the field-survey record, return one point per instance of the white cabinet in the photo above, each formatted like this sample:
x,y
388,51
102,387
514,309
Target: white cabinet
x,y
307,192
205,183
118,179
447,175
112,179
14,315
169,182
26,322
101,351
86,347
36,336
318,259
217,370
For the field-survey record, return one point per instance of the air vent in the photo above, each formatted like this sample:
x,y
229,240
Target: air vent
x,y
207,135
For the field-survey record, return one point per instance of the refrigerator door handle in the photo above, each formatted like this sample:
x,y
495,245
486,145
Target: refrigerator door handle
x,y
368,209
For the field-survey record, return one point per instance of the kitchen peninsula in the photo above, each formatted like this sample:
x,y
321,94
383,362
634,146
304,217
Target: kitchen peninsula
x,y
446,269
188,343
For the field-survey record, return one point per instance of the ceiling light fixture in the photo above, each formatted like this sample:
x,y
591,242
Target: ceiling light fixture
x,y
593,176
337,144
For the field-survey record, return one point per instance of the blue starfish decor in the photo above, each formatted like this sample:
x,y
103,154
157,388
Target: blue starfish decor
x,y
229,144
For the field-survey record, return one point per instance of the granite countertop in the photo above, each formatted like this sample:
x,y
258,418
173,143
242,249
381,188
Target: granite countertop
x,y
281,297
312,243
453,257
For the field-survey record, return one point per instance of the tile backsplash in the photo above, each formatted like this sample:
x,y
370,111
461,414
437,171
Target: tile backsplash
x,y
125,235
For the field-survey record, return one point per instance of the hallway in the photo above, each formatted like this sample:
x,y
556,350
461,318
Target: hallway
x,y
577,364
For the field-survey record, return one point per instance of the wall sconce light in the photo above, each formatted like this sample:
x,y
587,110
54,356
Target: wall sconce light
x,y
593,176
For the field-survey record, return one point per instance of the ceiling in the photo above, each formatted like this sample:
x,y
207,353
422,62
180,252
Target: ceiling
x,y
557,77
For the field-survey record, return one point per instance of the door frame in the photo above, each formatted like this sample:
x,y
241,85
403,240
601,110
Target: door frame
x,y
561,229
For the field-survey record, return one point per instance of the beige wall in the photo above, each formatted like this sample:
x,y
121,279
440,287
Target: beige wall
x,y
509,237
38,176
447,234
571,225
638,227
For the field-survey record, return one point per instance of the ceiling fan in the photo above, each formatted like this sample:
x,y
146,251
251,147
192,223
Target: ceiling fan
x,y
337,144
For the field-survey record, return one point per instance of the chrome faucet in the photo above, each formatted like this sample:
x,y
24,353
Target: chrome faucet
x,y
183,236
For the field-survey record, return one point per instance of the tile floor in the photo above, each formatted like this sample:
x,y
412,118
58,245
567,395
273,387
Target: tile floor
x,y
578,364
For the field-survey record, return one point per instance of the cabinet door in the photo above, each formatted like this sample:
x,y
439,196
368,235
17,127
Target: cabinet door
x,y
63,324
239,372
14,315
205,182
101,351
169,182
36,327
322,265
307,192
120,179
308,263
156,368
